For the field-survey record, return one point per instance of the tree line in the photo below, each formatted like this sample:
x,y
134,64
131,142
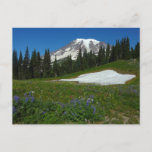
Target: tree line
x,y
38,67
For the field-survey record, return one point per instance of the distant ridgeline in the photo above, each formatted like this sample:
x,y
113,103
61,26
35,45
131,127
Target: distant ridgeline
x,y
39,67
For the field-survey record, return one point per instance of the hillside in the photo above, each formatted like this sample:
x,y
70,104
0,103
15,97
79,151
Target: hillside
x,y
116,104
121,66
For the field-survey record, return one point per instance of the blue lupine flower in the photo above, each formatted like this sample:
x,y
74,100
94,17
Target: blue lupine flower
x,y
73,114
62,105
135,91
65,112
88,101
16,98
25,94
30,93
14,109
32,99
92,96
75,101
43,112
94,109
26,99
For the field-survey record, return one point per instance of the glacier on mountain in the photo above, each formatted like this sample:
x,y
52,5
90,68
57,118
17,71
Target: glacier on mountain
x,y
73,48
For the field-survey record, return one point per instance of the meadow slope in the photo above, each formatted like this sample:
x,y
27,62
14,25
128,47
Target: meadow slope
x,y
71,102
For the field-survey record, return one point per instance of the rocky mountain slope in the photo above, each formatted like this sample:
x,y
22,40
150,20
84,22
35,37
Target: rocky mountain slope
x,y
73,48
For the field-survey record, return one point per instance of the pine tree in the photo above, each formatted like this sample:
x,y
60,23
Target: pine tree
x,y
38,65
103,57
15,65
99,57
107,53
79,61
26,65
137,51
33,65
55,68
85,59
69,65
132,53
91,59
112,55
20,67
127,48
46,64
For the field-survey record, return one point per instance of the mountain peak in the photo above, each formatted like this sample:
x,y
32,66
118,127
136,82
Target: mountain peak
x,y
73,48
86,40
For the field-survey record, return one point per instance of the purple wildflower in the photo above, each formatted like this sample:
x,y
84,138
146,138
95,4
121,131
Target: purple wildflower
x,y
88,101
32,99
134,90
75,101
16,98
94,109
14,109
25,94
26,99
43,112
92,96
73,114
65,112
30,93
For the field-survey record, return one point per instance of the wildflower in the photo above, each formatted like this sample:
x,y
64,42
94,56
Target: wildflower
x,y
73,114
25,94
75,101
43,112
16,98
92,96
135,91
88,101
26,99
30,93
33,91
32,99
14,109
65,112
94,109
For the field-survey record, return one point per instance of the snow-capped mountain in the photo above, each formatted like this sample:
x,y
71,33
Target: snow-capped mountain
x,y
73,48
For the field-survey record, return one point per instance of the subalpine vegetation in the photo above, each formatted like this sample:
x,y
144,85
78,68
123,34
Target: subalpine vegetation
x,y
26,67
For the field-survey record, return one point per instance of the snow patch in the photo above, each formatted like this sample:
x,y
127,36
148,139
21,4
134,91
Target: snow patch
x,y
106,77
86,42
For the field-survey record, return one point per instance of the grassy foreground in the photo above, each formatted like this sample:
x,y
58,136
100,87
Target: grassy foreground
x,y
44,101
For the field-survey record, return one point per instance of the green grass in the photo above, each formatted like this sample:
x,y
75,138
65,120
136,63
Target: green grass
x,y
116,103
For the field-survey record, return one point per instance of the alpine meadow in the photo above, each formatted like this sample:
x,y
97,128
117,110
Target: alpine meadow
x,y
76,76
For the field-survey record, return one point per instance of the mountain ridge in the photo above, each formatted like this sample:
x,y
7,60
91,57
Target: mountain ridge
x,y
74,46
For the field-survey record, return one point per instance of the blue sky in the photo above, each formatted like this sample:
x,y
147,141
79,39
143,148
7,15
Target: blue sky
x,y
55,38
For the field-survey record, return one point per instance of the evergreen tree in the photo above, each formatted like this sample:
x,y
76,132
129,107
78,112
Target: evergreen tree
x,y
112,55
91,59
103,57
127,48
99,57
80,61
85,59
107,53
33,65
68,64
20,67
132,53
15,65
55,68
46,64
137,51
26,65
38,65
